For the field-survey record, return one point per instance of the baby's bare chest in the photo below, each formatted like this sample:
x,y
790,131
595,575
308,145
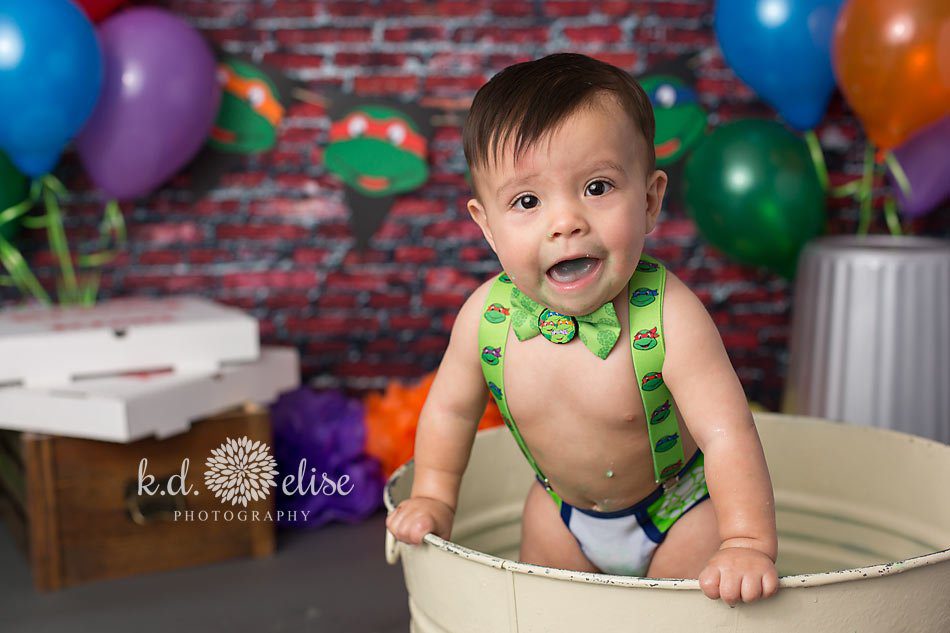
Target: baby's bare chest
x,y
548,381
582,419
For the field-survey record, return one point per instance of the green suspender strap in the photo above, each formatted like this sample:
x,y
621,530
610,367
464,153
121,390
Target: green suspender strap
x,y
649,349
646,336
492,337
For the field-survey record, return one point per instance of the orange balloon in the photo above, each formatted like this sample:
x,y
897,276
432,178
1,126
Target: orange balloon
x,y
892,62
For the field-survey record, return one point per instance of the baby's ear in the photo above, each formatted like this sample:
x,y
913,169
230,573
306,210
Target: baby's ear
x,y
477,211
656,189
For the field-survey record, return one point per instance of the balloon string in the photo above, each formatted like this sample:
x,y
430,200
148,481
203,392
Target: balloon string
x,y
69,288
10,214
846,190
890,214
20,272
818,158
113,224
898,172
865,191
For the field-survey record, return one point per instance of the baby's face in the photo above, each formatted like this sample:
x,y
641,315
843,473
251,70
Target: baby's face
x,y
568,220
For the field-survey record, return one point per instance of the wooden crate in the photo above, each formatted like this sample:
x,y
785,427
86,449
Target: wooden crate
x,y
73,504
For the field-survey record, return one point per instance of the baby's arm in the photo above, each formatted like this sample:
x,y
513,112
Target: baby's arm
x,y
710,397
446,431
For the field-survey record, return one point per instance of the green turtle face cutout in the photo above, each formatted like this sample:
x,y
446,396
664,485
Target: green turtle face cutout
x,y
378,151
250,111
680,120
642,297
647,267
645,339
557,327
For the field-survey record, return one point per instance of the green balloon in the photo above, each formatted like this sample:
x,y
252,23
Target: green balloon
x,y
752,188
14,188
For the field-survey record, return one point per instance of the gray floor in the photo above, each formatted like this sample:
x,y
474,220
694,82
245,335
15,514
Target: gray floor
x,y
329,580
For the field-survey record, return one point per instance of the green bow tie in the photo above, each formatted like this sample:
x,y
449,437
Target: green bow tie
x,y
598,330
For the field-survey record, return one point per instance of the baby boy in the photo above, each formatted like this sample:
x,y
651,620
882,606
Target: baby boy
x,y
607,369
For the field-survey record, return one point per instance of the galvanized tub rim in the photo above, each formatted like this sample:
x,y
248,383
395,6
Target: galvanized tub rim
x,y
785,582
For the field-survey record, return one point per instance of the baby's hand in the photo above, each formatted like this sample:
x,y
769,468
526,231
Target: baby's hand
x,y
414,518
735,572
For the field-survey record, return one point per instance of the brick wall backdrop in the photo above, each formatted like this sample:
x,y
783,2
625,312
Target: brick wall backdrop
x,y
273,237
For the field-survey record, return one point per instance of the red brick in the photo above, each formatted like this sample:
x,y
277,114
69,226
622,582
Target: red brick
x,y
406,322
456,8
618,8
443,299
271,279
310,256
336,301
596,34
386,300
385,84
447,279
571,8
368,59
415,254
261,232
626,61
158,258
284,9
512,8
414,33
409,206
327,347
468,83
501,35
290,37
332,324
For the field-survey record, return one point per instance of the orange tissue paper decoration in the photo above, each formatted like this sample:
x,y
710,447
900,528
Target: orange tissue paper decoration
x,y
391,419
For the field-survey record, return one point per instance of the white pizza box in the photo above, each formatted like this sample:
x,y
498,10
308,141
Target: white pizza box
x,y
54,345
128,407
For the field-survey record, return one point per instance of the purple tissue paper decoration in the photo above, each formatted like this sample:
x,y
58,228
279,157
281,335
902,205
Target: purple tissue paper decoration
x,y
925,159
327,430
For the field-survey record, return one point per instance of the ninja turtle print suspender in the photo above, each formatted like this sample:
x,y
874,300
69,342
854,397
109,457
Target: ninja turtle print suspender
x,y
645,293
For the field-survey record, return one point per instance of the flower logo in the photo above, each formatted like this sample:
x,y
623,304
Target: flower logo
x,y
240,471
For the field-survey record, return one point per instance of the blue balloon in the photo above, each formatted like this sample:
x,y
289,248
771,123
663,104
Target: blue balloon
x,y
782,50
50,77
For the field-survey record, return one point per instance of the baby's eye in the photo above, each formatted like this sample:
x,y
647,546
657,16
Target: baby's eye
x,y
525,198
596,190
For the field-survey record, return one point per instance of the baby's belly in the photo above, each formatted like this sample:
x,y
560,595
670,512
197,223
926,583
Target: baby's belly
x,y
582,419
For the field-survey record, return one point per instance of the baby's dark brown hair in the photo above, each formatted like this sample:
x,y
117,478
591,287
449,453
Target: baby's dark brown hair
x,y
532,98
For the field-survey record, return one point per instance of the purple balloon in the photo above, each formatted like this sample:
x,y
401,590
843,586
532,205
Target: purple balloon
x,y
925,159
158,103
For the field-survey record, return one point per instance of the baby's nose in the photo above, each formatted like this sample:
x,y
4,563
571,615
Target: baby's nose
x,y
568,223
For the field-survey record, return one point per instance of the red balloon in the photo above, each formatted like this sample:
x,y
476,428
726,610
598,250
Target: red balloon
x,y
98,9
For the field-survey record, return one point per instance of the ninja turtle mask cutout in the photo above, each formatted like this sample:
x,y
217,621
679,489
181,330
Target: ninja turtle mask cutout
x,y
378,150
254,101
250,111
680,119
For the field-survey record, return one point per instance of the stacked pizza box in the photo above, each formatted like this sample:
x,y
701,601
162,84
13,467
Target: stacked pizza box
x,y
131,368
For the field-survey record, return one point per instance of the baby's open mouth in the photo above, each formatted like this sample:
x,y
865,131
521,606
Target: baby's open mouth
x,y
571,270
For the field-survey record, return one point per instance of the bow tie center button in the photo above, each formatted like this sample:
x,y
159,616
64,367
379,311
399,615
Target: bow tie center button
x,y
557,327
